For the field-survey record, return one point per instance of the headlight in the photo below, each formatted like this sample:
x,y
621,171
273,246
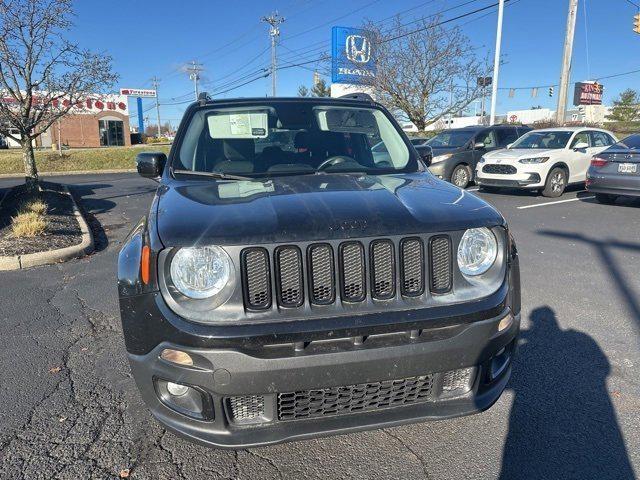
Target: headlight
x,y
533,160
200,272
477,251
440,158
482,160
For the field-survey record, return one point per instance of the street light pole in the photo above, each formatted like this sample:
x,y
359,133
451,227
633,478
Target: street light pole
x,y
156,81
566,62
194,75
274,20
496,65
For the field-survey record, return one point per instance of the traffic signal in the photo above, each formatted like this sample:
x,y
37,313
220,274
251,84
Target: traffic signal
x,y
551,91
636,23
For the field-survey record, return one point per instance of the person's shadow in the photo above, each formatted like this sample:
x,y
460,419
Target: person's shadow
x,y
562,423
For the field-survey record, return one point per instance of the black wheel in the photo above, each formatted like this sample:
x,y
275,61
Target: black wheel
x,y
461,176
556,183
606,198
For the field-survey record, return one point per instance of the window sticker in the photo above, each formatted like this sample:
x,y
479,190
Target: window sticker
x,y
238,125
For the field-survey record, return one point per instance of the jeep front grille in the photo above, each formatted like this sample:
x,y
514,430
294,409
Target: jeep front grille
x,y
362,397
256,278
383,270
441,264
352,270
289,276
322,276
324,273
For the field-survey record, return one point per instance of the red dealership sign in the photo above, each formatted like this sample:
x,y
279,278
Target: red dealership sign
x,y
588,93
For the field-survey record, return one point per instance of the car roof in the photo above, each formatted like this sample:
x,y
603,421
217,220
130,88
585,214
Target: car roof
x,y
476,128
570,129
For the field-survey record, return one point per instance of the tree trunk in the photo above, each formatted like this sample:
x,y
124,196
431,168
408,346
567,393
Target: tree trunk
x,y
29,161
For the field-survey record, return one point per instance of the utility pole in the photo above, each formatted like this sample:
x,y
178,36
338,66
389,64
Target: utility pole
x,y
566,61
155,82
194,75
496,65
274,20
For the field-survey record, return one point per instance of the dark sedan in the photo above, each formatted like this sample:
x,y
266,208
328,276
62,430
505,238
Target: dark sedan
x,y
616,171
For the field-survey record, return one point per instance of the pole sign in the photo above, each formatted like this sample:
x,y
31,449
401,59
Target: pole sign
x,y
352,56
138,92
587,93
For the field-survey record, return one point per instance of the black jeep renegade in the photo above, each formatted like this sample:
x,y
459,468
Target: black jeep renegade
x,y
290,280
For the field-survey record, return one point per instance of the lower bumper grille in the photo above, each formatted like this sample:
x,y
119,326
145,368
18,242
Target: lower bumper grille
x,y
354,398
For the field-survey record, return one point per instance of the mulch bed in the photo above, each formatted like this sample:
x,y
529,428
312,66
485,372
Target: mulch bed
x,y
62,230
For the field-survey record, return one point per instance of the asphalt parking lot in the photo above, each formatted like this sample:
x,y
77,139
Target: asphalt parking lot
x,y
69,407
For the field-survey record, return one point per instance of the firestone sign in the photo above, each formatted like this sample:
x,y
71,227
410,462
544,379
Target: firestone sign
x,y
92,104
588,93
138,92
352,56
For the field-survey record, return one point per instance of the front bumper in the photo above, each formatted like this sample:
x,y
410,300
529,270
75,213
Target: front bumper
x,y
224,374
525,176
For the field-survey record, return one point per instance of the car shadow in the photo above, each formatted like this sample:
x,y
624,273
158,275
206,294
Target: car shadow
x,y
528,193
632,202
562,423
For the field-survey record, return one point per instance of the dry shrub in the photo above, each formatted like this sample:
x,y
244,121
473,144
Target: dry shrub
x,y
28,224
34,206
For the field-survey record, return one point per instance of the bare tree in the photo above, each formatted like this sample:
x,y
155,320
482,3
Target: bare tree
x,y
42,75
424,71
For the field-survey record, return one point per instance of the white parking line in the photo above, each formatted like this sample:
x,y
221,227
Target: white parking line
x,y
555,203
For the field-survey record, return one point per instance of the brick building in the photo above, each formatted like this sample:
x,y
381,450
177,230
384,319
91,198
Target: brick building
x,y
100,121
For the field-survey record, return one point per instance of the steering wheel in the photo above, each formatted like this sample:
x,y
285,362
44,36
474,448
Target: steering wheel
x,y
335,160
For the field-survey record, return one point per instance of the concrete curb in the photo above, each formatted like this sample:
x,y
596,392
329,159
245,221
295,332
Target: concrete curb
x,y
85,247
70,172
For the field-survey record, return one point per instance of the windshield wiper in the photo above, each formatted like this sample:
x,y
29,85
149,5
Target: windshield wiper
x,y
220,175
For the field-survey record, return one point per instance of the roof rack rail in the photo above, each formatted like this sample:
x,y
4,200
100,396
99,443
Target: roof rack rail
x,y
203,97
363,97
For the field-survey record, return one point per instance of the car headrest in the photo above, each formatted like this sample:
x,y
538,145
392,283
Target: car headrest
x,y
239,150
302,140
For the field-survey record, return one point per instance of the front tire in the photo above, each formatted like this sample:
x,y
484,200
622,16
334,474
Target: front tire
x,y
461,176
556,183
606,198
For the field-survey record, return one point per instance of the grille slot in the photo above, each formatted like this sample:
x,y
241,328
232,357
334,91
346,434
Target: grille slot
x,y
412,267
440,262
246,408
321,274
383,274
347,399
500,169
289,281
256,278
352,272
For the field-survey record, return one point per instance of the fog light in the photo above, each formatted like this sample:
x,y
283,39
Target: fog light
x,y
176,389
176,356
505,323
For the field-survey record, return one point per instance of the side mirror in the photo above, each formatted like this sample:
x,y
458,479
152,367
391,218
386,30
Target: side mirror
x,y
478,146
426,154
509,146
151,164
580,146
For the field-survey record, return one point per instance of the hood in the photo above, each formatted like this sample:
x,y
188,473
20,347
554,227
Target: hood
x,y
314,207
507,154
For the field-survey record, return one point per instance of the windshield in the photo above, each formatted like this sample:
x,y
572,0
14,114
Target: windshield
x,y
546,139
289,138
451,139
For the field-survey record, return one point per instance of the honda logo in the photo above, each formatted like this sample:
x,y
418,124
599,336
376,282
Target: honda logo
x,y
358,49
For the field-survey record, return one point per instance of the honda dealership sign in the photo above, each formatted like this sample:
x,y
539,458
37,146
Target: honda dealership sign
x,y
352,56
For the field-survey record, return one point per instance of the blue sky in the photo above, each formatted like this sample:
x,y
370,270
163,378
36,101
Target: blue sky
x,y
147,38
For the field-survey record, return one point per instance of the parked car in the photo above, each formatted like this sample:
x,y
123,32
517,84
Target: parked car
x,y
281,293
546,160
457,151
616,171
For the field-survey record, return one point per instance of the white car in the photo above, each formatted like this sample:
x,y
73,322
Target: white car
x,y
547,160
